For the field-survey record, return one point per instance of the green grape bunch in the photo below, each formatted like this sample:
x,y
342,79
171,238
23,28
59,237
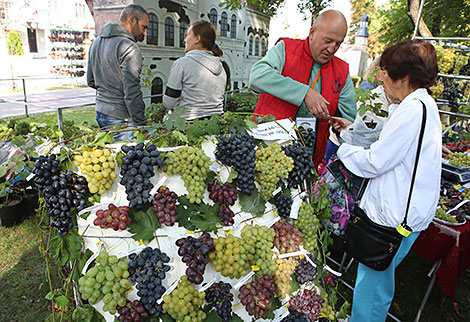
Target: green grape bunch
x,y
261,241
107,280
271,165
231,257
193,166
459,159
308,223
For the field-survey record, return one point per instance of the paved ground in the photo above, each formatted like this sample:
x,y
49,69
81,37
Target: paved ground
x,y
40,101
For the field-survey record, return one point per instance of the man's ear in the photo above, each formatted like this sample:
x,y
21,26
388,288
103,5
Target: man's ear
x,y
312,31
132,20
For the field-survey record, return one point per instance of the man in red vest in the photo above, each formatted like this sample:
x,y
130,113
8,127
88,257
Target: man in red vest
x,y
303,78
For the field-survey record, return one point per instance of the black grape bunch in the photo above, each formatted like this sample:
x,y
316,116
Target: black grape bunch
x,y
220,297
283,204
62,191
137,168
453,93
306,136
238,151
303,164
148,269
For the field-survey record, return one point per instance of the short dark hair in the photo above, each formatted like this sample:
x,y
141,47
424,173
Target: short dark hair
x,y
413,58
133,10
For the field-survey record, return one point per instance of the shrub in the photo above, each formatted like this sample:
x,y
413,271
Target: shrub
x,y
15,46
241,102
155,112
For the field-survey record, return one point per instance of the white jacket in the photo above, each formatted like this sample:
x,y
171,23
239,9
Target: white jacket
x,y
197,81
390,161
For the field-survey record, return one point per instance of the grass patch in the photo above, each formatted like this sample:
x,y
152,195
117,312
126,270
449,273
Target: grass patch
x,y
66,87
23,283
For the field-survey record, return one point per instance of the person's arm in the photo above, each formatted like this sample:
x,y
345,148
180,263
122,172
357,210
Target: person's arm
x,y
395,141
346,100
174,86
131,66
265,77
90,78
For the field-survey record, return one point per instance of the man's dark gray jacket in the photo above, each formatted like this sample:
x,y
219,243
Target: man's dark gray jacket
x,y
114,66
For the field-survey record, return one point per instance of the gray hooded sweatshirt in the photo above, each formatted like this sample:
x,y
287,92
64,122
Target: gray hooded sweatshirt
x,y
197,81
114,66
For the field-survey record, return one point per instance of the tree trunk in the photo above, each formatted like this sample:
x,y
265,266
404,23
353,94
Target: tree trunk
x,y
413,10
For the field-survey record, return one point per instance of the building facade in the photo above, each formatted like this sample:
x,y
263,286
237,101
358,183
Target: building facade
x,y
241,34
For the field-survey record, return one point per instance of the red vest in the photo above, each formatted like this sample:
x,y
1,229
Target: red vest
x,y
298,66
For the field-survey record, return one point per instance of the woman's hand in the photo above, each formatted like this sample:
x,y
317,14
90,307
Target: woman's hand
x,y
339,123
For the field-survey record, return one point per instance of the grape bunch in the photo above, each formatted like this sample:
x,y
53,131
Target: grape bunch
x,y
465,70
136,170
460,62
238,151
305,272
441,214
114,217
132,312
106,280
459,159
224,195
307,136
164,204
453,92
282,275
327,310
303,164
148,269
307,302
193,166
98,167
437,90
445,58
283,205
255,296
259,240
271,165
231,256
295,316
184,303
220,297
194,253
288,237
308,223
62,191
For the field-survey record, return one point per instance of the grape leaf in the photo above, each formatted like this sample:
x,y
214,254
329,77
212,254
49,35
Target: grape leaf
x,y
79,265
195,130
294,285
62,301
212,316
166,318
232,175
273,305
174,120
144,223
253,203
103,138
193,216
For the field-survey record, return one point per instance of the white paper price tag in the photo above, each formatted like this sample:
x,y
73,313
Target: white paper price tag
x,y
276,130
243,216
169,290
163,180
171,148
294,210
93,208
283,315
30,176
244,280
275,192
332,271
126,253
275,220
291,254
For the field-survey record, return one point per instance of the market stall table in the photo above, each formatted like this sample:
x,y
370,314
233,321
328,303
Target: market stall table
x,y
449,247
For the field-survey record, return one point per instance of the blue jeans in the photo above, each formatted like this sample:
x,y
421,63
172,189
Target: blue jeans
x,y
374,290
106,122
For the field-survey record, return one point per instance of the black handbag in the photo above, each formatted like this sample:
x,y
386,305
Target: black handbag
x,y
372,244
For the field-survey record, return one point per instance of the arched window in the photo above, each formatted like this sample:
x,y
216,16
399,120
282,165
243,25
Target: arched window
x,y
157,89
152,30
263,46
223,24
169,32
256,46
213,17
183,28
233,27
250,46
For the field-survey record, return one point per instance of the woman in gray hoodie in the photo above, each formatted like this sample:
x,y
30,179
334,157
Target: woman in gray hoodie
x,y
197,80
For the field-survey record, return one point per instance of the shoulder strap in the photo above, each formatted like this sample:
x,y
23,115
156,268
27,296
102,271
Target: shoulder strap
x,y
420,141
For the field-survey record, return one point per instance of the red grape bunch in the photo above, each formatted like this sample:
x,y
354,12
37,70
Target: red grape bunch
x,y
195,253
308,303
224,195
114,217
164,204
256,296
288,237
132,312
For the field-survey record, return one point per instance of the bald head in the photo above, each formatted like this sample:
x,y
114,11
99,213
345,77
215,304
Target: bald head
x,y
326,35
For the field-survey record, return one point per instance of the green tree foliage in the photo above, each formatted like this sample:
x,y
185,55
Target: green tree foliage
x,y
15,46
358,9
313,7
268,7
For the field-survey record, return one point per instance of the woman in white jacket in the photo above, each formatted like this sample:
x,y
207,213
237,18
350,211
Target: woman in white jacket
x,y
197,80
